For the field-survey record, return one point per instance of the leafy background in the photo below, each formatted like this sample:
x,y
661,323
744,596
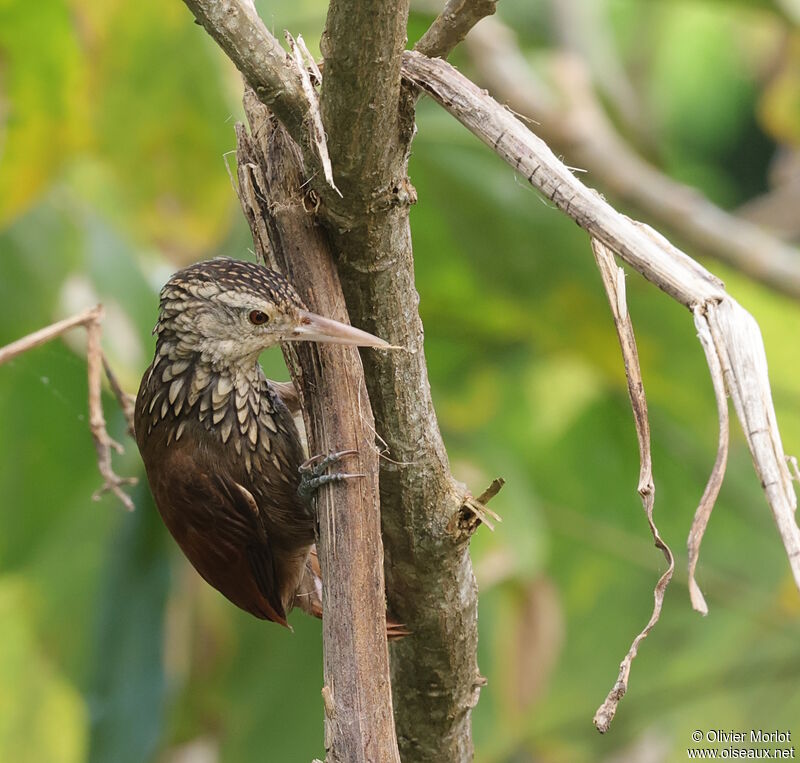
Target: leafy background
x,y
115,125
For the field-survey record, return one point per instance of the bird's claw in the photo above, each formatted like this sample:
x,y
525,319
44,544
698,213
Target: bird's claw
x,y
312,472
317,464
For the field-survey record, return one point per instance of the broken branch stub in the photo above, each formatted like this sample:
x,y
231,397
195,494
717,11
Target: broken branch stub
x,y
91,320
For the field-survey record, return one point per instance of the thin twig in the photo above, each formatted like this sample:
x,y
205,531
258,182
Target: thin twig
x,y
792,461
451,26
91,320
709,498
54,330
127,403
614,283
494,488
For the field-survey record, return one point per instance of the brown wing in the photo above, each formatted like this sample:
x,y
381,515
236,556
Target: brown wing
x,y
216,522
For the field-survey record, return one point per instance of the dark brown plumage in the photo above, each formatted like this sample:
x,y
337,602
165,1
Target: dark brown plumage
x,y
219,444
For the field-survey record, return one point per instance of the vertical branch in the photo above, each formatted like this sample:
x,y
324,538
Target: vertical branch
x,y
368,117
357,696
369,121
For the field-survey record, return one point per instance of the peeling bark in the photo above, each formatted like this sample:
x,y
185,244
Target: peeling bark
x,y
359,726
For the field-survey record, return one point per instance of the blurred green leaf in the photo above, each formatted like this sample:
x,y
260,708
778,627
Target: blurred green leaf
x,y
42,716
128,691
779,108
163,124
43,108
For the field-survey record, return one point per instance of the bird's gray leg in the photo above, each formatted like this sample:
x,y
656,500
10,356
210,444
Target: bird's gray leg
x,y
313,476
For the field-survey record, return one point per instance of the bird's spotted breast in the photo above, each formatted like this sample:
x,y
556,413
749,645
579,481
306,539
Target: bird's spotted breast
x,y
239,409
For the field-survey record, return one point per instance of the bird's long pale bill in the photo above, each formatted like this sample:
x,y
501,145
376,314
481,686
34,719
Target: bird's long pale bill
x,y
315,328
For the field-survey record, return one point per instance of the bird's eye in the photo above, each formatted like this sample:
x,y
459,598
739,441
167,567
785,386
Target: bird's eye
x,y
257,318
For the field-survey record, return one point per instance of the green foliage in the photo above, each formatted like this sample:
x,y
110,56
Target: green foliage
x,y
114,122
126,698
43,110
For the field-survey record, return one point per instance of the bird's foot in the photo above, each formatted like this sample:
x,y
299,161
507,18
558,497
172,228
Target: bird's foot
x,y
313,476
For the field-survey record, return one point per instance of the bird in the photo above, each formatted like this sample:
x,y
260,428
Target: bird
x,y
219,443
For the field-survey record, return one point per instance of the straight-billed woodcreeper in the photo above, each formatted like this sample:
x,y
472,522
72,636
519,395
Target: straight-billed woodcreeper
x,y
219,444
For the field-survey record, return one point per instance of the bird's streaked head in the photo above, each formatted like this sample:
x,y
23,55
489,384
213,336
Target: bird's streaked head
x,y
229,311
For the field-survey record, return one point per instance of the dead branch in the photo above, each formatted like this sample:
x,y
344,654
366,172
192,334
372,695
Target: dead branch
x,y
127,402
735,334
709,498
614,284
452,25
237,28
302,59
670,269
744,365
357,697
574,123
91,320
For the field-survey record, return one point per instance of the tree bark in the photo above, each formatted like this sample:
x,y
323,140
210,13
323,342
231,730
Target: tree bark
x,y
359,726
369,121
368,117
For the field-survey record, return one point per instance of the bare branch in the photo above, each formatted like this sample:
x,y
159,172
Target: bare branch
x,y
735,332
103,443
127,402
53,331
452,25
586,29
258,55
614,283
574,123
744,366
369,121
357,695
671,270
91,320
